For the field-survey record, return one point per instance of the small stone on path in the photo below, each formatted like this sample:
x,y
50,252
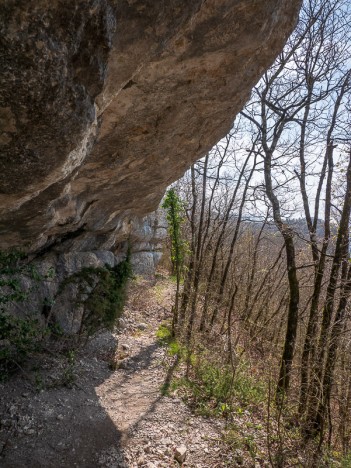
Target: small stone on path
x,y
180,453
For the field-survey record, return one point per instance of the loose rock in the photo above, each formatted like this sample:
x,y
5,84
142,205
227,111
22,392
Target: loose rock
x,y
180,453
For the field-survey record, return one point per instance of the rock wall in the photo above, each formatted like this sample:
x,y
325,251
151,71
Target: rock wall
x,y
147,236
49,302
104,103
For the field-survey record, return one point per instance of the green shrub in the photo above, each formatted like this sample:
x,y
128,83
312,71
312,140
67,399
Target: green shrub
x,y
248,389
18,336
166,338
210,387
68,377
346,461
216,381
239,440
164,334
13,269
102,293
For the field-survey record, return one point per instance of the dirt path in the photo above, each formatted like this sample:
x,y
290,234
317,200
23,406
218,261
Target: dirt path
x,y
107,418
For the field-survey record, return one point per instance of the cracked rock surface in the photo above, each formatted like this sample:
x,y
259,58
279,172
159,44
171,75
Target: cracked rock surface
x,y
103,103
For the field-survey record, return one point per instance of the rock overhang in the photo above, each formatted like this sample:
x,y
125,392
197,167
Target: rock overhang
x,y
104,103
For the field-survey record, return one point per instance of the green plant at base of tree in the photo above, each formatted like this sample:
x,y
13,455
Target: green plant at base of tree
x,y
175,217
210,387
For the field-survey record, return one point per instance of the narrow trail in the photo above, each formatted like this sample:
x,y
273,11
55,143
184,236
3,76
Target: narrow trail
x,y
153,425
108,418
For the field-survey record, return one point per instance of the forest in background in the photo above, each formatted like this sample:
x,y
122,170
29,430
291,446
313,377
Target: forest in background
x,y
259,239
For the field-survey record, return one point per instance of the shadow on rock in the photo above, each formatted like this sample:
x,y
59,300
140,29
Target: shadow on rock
x,y
46,424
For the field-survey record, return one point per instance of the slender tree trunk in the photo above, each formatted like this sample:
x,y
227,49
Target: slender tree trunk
x,y
292,322
319,259
253,269
309,346
210,278
232,245
291,329
262,284
190,273
197,265
321,384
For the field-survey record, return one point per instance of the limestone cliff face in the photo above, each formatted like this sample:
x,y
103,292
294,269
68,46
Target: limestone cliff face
x,y
106,102
52,298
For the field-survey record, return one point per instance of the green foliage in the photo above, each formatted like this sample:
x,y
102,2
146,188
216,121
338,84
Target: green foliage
x,y
18,336
166,338
38,382
164,334
238,440
248,389
68,377
217,392
214,382
102,293
337,460
175,217
211,388
334,459
173,279
13,268
346,461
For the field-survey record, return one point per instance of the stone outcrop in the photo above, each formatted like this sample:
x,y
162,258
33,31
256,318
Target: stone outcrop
x,y
48,298
106,102
146,240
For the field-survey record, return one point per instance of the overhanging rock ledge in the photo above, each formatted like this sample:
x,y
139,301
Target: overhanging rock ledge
x,y
106,102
